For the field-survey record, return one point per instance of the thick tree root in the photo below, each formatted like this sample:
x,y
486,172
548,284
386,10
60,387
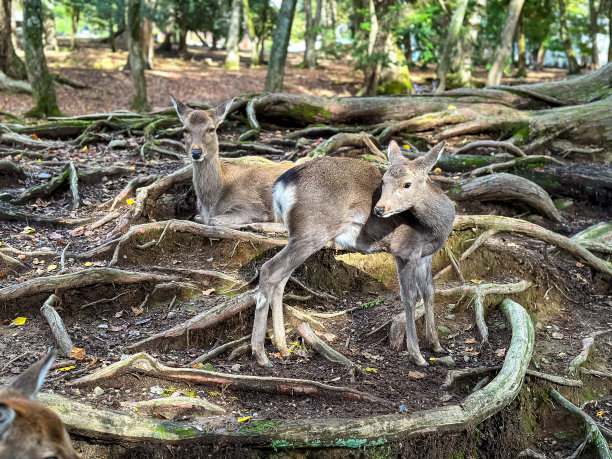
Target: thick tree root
x,y
144,364
62,339
593,433
504,224
12,171
515,163
147,196
506,187
344,140
219,350
477,407
509,146
203,320
326,350
455,375
80,279
8,213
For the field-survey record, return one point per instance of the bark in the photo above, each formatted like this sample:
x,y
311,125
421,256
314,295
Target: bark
x,y
10,64
278,55
137,65
573,67
49,24
261,36
74,22
610,32
148,43
540,56
505,46
111,34
310,37
232,59
250,30
593,10
371,71
36,64
466,45
182,45
522,49
451,40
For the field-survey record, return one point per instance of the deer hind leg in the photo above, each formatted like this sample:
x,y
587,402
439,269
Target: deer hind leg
x,y
406,270
272,279
425,283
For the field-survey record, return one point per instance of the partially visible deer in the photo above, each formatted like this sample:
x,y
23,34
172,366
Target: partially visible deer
x,y
342,200
229,194
29,430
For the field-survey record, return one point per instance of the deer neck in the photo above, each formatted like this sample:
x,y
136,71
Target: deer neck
x,y
208,183
434,210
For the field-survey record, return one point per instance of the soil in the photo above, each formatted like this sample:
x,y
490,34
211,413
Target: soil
x,y
567,302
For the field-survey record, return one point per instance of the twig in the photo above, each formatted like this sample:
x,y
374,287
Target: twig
x,y
321,295
102,300
14,360
74,185
63,258
475,245
453,261
587,344
62,339
509,146
218,350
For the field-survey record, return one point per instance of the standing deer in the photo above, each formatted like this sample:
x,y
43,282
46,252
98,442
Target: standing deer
x,y
29,430
342,200
228,194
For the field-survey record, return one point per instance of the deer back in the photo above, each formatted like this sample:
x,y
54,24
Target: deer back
x,y
29,430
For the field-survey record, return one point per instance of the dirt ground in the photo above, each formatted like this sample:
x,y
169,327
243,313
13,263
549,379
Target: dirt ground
x,y
567,302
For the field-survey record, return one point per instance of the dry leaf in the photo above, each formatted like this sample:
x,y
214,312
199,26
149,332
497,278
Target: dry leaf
x,y
557,335
245,419
51,268
72,367
93,362
511,244
452,107
77,353
137,311
476,281
579,265
416,374
129,202
85,149
437,170
88,264
28,230
470,340
500,352
208,292
330,338
119,314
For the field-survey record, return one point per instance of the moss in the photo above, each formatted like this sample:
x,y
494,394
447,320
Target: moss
x,y
259,427
307,113
523,133
393,87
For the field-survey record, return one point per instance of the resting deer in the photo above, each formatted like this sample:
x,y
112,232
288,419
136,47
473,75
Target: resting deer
x,y
228,194
342,200
29,430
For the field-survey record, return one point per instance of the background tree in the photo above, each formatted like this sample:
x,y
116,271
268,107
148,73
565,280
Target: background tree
x,y
10,64
566,39
49,25
449,44
466,44
593,29
232,59
36,64
278,54
137,65
521,48
505,45
313,19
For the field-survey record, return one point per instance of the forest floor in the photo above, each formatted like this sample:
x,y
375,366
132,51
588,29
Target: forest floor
x,y
202,77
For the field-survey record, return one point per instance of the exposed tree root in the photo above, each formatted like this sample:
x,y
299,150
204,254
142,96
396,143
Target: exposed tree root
x,y
455,375
219,350
80,279
593,433
326,350
146,196
144,364
471,249
14,214
343,140
203,320
12,171
62,339
130,190
506,187
509,146
252,133
504,224
587,345
74,185
517,162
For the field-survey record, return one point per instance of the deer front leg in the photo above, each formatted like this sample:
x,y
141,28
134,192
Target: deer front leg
x,y
425,283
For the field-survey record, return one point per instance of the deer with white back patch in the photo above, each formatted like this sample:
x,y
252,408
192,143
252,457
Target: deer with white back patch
x,y
347,201
229,194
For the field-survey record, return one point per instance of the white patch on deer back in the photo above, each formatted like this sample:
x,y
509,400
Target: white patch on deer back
x,y
284,199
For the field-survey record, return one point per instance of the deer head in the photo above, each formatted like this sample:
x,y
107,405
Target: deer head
x,y
29,430
405,182
201,128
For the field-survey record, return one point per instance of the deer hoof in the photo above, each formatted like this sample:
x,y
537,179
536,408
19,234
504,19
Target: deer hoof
x,y
439,349
418,360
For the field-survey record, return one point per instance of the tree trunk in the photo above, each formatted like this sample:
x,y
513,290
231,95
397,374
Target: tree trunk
x,y
505,45
449,44
522,49
261,36
36,64
372,70
232,59
566,40
49,24
610,31
250,29
593,9
280,42
148,43
111,33
139,83
182,26
540,57
10,63
74,20
466,44
310,37
166,46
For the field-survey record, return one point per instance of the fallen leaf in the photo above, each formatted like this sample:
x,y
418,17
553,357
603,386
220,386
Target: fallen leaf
x,y
208,292
129,202
54,235
371,370
66,368
51,268
557,335
467,327
93,362
437,170
34,136
77,231
28,230
600,413
416,374
562,354
78,353
88,264
470,340
500,352
579,265
21,256
245,419
407,147
119,314
85,149
476,281
19,321
330,338
511,244
137,311
452,107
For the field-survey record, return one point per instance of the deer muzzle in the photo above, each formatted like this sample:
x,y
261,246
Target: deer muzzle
x,y
196,154
379,211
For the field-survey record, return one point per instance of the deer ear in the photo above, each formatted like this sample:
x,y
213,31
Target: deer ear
x,y
31,380
429,159
180,107
7,416
223,109
393,152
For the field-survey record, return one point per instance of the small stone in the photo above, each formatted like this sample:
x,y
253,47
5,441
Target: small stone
x,y
539,325
118,143
98,391
156,390
557,335
171,315
236,367
103,326
105,179
44,176
446,361
443,332
545,360
450,306
450,316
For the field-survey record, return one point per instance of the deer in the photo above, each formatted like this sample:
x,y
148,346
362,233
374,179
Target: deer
x,y
29,430
228,194
346,201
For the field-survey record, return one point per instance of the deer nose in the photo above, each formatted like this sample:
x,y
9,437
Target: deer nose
x,y
379,211
196,153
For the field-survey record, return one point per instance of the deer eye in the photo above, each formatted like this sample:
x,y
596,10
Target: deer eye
x,y
210,130
407,185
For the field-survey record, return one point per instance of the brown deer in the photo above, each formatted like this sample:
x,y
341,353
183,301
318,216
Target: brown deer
x,y
228,194
343,200
29,430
